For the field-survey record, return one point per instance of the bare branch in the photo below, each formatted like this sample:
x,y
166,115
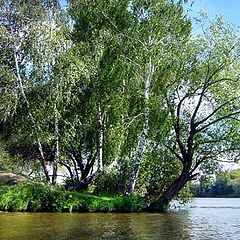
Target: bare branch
x,y
198,163
192,176
74,161
68,168
204,88
198,106
213,113
217,120
213,156
177,124
133,120
221,80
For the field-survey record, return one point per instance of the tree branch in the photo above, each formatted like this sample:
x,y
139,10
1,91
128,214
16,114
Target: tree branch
x,y
217,120
133,120
175,153
177,125
213,113
207,84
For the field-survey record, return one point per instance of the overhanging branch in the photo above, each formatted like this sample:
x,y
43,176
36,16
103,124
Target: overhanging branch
x,y
213,113
217,120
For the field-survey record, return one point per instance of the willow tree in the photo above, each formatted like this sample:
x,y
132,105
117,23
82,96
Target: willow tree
x,y
130,44
93,60
203,103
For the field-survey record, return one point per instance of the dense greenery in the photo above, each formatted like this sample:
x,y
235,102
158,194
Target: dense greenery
x,y
42,197
226,184
118,96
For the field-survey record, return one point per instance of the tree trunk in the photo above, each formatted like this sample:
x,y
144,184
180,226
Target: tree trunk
x,y
134,175
172,191
43,161
56,157
100,140
35,128
86,177
143,139
69,170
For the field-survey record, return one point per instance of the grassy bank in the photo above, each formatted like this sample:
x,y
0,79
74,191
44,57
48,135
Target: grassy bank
x,y
8,178
39,197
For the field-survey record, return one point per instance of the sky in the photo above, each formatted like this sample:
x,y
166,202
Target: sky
x,y
229,9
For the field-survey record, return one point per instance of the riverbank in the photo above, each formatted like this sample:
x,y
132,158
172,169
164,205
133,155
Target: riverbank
x,y
40,197
204,219
8,178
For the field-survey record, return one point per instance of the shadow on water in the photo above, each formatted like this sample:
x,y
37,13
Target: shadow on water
x,y
39,226
204,219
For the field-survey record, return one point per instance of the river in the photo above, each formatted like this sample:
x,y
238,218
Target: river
x,y
202,219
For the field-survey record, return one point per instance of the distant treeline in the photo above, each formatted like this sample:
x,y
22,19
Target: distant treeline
x,y
225,184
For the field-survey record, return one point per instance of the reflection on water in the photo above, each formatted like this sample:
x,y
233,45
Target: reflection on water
x,y
203,219
217,218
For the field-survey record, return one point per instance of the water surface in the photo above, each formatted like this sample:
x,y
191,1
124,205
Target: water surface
x,y
203,219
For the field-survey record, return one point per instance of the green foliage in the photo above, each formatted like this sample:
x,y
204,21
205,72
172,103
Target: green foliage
x,y
34,196
158,169
9,162
115,181
5,159
185,195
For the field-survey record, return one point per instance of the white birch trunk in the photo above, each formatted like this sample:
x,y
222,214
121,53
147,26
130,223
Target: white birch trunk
x,y
57,154
143,138
42,161
100,140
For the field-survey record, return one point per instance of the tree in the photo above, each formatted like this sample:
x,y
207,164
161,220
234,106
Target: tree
x,y
202,99
95,58
128,44
225,184
159,25
118,83
30,45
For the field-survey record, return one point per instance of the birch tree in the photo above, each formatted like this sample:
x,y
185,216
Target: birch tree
x,y
129,43
30,48
162,25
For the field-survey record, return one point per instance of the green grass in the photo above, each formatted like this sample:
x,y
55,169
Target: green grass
x,y
39,197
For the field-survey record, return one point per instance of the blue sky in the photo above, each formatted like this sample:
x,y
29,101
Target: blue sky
x,y
229,9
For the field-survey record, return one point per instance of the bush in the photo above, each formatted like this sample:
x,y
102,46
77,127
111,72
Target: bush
x,y
112,183
26,197
34,197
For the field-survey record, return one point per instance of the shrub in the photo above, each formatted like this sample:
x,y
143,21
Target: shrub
x,y
34,197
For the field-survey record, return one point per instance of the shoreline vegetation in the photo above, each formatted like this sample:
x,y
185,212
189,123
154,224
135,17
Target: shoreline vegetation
x,y
18,194
40,197
225,184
